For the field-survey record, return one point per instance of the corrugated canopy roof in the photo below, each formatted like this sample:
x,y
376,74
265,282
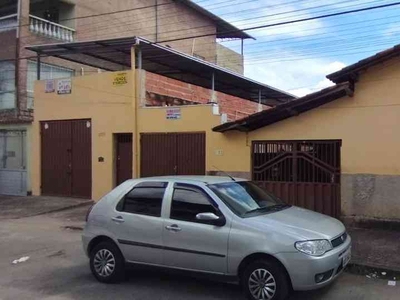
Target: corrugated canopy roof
x,y
224,28
287,110
115,55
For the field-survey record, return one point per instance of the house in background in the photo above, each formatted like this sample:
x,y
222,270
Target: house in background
x,y
34,22
334,151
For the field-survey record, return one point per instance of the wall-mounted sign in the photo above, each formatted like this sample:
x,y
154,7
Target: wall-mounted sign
x,y
173,113
120,79
49,87
64,86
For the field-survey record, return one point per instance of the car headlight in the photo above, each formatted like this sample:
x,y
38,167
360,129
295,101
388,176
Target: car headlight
x,y
314,248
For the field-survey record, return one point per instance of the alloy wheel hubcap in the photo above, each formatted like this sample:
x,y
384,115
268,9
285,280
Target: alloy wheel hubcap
x,y
104,262
262,284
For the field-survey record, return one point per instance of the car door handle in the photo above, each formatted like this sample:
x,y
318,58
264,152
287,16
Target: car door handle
x,y
174,228
118,219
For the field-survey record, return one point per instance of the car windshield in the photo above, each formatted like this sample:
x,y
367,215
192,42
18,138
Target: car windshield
x,y
245,198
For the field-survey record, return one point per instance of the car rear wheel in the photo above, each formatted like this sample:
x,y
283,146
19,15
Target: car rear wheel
x,y
265,280
107,263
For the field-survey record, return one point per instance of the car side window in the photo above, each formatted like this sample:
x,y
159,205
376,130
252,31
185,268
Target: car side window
x,y
143,199
187,203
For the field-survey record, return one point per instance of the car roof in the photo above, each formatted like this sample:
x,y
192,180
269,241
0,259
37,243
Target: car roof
x,y
191,179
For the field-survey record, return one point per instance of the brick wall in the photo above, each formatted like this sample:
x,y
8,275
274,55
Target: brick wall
x,y
234,107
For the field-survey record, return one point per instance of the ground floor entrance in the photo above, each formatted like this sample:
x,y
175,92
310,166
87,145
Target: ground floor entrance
x,y
303,173
66,158
13,162
123,148
173,154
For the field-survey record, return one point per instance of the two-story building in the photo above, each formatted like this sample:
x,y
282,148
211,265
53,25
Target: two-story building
x,y
34,22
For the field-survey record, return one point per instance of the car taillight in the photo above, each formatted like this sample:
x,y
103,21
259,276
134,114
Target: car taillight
x,y
88,212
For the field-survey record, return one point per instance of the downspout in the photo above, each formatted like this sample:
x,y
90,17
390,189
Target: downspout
x,y
17,64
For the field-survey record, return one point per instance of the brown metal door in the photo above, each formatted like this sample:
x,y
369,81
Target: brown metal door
x,y
124,157
81,158
191,156
172,154
56,158
66,163
303,173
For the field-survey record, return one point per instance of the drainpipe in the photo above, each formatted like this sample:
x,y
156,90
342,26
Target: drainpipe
x,y
17,64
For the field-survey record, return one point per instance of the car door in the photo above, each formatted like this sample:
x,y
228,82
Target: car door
x,y
189,243
138,225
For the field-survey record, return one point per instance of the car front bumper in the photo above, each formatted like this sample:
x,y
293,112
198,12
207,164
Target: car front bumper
x,y
303,268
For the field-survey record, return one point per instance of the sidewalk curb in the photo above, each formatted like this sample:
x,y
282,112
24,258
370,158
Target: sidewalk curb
x,y
366,269
82,204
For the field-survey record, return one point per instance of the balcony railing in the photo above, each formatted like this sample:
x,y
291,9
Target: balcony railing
x,y
51,30
9,22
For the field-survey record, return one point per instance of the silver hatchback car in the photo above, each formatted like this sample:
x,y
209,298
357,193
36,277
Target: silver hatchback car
x,y
218,226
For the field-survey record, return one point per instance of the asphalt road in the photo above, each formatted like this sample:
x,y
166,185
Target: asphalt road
x,y
58,269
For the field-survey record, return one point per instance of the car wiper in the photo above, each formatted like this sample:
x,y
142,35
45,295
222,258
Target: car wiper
x,y
268,208
279,206
264,208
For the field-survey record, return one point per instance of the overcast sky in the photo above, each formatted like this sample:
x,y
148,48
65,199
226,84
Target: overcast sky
x,y
296,58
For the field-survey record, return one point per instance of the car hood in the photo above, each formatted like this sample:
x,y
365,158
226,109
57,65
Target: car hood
x,y
300,223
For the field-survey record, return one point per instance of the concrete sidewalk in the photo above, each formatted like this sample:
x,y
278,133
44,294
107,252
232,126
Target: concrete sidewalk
x,y
21,207
376,248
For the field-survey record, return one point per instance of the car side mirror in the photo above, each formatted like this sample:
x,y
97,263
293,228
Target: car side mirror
x,y
211,218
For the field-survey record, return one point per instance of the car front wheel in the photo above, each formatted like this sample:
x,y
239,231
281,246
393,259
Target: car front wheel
x,y
107,263
265,280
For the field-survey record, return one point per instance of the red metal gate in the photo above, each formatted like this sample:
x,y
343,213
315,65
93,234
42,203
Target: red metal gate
x,y
303,173
172,154
66,162
124,157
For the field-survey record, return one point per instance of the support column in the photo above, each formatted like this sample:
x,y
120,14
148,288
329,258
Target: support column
x,y
135,140
213,93
242,53
259,101
38,67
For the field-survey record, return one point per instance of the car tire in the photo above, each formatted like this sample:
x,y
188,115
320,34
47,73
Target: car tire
x,y
107,263
265,280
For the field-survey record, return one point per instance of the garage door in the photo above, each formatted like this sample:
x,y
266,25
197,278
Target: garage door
x,y
172,154
66,164
303,173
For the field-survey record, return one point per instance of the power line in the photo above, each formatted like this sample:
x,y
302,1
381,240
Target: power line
x,y
179,31
290,22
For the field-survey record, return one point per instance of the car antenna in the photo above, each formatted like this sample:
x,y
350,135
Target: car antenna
x,y
230,176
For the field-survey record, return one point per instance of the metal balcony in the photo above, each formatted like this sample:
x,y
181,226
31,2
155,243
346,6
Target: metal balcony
x,y
51,30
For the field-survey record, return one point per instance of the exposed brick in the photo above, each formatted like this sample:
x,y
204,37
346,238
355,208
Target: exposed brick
x,y
234,107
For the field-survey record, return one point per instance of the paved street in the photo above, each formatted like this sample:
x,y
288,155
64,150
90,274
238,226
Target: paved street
x,y
58,269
